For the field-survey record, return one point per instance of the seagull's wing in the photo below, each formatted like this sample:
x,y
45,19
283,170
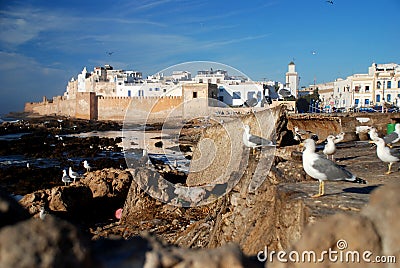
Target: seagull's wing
x,y
260,141
391,137
395,152
333,171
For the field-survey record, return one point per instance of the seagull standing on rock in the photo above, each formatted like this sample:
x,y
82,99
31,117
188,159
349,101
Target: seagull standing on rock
x,y
253,141
86,166
386,154
339,138
65,178
74,175
330,147
323,169
373,134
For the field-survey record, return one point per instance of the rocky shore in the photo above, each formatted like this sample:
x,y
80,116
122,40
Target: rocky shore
x,y
82,227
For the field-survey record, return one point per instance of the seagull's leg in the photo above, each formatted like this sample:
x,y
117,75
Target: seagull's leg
x,y
389,168
320,190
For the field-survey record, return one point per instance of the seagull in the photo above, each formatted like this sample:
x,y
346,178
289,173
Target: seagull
x,y
330,147
393,137
323,169
339,137
299,133
386,154
330,2
110,53
42,213
373,134
253,141
65,178
74,175
86,165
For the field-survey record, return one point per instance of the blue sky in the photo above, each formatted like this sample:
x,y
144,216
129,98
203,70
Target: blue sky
x,y
45,43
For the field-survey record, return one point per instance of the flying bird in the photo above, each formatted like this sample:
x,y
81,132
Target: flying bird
x,y
110,53
323,169
330,2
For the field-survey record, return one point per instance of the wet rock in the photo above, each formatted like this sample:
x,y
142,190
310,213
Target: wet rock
x,y
10,211
36,243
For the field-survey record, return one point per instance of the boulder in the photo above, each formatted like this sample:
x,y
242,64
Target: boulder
x,y
48,243
10,211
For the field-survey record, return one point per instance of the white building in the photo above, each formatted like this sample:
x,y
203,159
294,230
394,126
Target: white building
x,y
381,85
241,94
292,79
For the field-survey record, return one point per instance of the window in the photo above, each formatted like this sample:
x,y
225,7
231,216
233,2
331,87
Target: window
x,y
366,101
366,88
389,97
200,80
164,90
157,89
356,101
129,93
398,84
389,84
194,94
150,89
357,89
236,95
338,90
378,98
378,84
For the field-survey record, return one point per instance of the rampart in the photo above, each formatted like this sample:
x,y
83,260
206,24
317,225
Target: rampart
x,y
87,105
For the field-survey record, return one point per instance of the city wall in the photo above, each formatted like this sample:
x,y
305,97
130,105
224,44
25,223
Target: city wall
x,y
89,106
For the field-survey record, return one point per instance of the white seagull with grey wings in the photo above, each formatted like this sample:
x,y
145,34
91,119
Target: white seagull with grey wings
x,y
323,169
253,141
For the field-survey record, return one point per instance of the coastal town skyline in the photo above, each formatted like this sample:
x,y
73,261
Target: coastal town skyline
x,y
43,45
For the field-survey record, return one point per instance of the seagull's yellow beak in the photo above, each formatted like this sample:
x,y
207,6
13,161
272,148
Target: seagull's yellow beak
x,y
371,142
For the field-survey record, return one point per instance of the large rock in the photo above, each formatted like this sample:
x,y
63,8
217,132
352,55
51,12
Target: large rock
x,y
384,210
108,183
340,233
37,243
10,211
69,199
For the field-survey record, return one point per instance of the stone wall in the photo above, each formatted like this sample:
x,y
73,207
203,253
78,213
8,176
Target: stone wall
x,y
60,105
137,108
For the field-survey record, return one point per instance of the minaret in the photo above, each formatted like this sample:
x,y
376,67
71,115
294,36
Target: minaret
x,y
292,79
